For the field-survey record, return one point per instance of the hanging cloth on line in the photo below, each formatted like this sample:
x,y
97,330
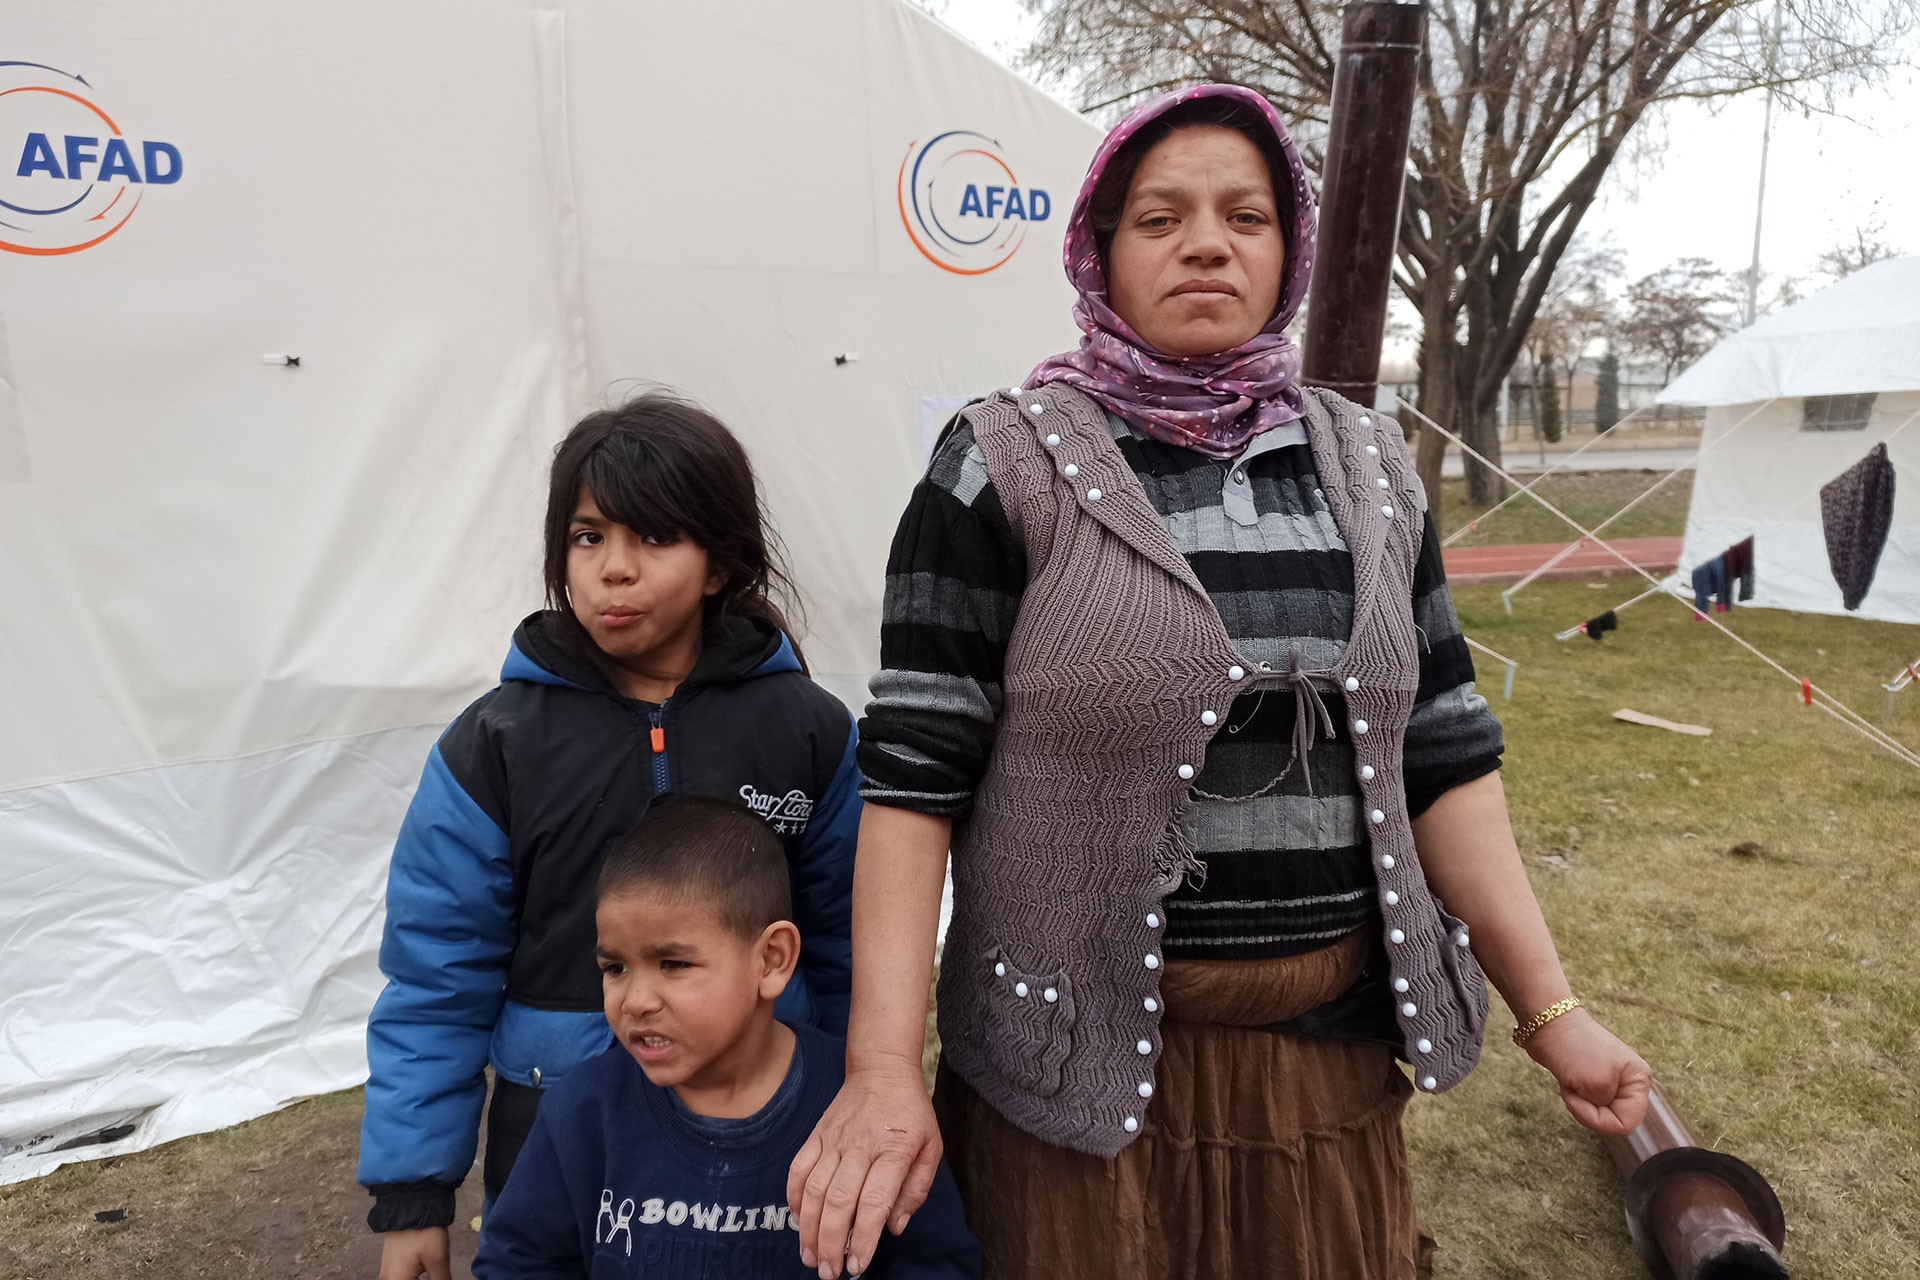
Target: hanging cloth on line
x,y
1739,559
1856,511
1710,584
1713,580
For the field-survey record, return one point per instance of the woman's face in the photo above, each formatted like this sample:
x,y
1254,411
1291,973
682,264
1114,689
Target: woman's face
x,y
1194,266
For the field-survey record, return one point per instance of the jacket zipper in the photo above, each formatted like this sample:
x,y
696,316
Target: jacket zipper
x,y
657,738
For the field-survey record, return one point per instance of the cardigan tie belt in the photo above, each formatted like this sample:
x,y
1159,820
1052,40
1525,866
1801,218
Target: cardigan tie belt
x,y
1309,710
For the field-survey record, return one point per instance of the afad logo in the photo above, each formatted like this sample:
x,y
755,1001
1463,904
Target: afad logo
x,y
961,204
69,175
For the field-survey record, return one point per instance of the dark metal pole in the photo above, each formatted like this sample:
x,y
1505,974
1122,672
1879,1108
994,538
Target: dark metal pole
x,y
1360,187
1695,1214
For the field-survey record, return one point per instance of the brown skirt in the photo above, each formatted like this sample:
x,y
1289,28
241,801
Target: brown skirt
x,y
1264,1156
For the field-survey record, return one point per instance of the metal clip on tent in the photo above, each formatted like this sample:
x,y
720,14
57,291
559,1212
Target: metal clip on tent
x,y
1696,1214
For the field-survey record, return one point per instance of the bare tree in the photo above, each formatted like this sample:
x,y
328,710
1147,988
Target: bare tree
x,y
1525,106
1575,314
1866,246
1676,314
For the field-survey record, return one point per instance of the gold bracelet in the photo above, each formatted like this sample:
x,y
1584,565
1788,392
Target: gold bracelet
x,y
1525,1032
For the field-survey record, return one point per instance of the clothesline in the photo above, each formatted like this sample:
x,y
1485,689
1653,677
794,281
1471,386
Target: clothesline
x,y
1474,523
1581,629
1506,597
1830,704
1671,583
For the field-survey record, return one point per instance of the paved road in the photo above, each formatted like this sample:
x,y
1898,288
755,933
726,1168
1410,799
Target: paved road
x,y
1521,460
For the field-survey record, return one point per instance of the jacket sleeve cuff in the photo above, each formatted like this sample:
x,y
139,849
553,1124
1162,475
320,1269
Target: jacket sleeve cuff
x,y
411,1206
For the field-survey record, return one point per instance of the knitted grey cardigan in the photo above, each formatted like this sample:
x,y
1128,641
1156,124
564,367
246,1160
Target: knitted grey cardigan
x,y
1118,671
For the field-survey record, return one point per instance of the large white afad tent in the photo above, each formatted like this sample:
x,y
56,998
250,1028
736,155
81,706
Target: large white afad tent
x,y
242,595
1793,401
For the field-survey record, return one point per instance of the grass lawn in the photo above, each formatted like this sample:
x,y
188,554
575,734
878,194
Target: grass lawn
x,y
1778,995
1588,496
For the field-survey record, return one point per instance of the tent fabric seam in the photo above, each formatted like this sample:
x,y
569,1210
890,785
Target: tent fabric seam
x,y
276,749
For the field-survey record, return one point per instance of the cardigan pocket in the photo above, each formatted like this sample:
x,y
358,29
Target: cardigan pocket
x,y
1465,981
1028,1016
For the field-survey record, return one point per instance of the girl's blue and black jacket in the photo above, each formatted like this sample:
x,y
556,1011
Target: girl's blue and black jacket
x,y
488,949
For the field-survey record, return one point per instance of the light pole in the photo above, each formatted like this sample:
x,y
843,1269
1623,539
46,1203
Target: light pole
x,y
1760,199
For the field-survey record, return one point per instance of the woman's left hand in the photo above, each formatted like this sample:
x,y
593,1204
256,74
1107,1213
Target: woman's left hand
x,y
1602,1081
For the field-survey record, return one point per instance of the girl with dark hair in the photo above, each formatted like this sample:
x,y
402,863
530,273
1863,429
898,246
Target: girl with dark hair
x,y
662,663
1169,663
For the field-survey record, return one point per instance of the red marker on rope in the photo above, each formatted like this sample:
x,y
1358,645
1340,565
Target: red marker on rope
x,y
1806,690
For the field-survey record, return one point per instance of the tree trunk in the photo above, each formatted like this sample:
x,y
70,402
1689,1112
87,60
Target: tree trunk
x,y
1476,421
1436,398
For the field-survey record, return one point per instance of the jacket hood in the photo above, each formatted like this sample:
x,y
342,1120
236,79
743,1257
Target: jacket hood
x,y
547,649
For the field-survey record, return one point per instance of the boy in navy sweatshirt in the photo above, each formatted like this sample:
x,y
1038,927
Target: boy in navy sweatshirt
x,y
667,1155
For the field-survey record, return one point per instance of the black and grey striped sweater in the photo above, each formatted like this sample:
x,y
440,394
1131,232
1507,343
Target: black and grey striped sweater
x,y
1286,872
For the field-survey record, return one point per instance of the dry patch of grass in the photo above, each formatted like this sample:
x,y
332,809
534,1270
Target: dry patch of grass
x,y
272,1197
1776,993
1588,496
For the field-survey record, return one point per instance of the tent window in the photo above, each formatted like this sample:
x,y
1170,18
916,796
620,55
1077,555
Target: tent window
x,y
1837,413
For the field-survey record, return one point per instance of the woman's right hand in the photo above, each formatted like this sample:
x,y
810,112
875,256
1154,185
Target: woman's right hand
x,y
869,1165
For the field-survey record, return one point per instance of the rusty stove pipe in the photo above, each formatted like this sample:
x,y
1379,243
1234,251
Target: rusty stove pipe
x,y
1696,1214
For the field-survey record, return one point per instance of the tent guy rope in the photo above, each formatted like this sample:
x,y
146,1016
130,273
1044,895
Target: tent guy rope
x,y
1506,597
1676,587
1512,666
1581,628
1827,702
1526,489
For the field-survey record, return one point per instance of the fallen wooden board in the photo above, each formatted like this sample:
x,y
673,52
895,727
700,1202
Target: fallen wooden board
x,y
1641,717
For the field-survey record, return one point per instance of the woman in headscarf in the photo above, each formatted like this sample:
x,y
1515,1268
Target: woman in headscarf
x,y
1170,664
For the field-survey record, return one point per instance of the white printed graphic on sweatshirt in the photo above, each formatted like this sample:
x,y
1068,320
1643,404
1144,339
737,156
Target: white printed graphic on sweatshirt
x,y
612,1223
786,814
719,1218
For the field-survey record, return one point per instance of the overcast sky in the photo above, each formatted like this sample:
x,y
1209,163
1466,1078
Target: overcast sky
x,y
1689,192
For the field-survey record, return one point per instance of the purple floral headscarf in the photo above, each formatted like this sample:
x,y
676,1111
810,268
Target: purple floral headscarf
x,y
1214,403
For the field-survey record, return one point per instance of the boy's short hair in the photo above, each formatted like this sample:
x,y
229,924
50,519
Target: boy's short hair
x,y
707,851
